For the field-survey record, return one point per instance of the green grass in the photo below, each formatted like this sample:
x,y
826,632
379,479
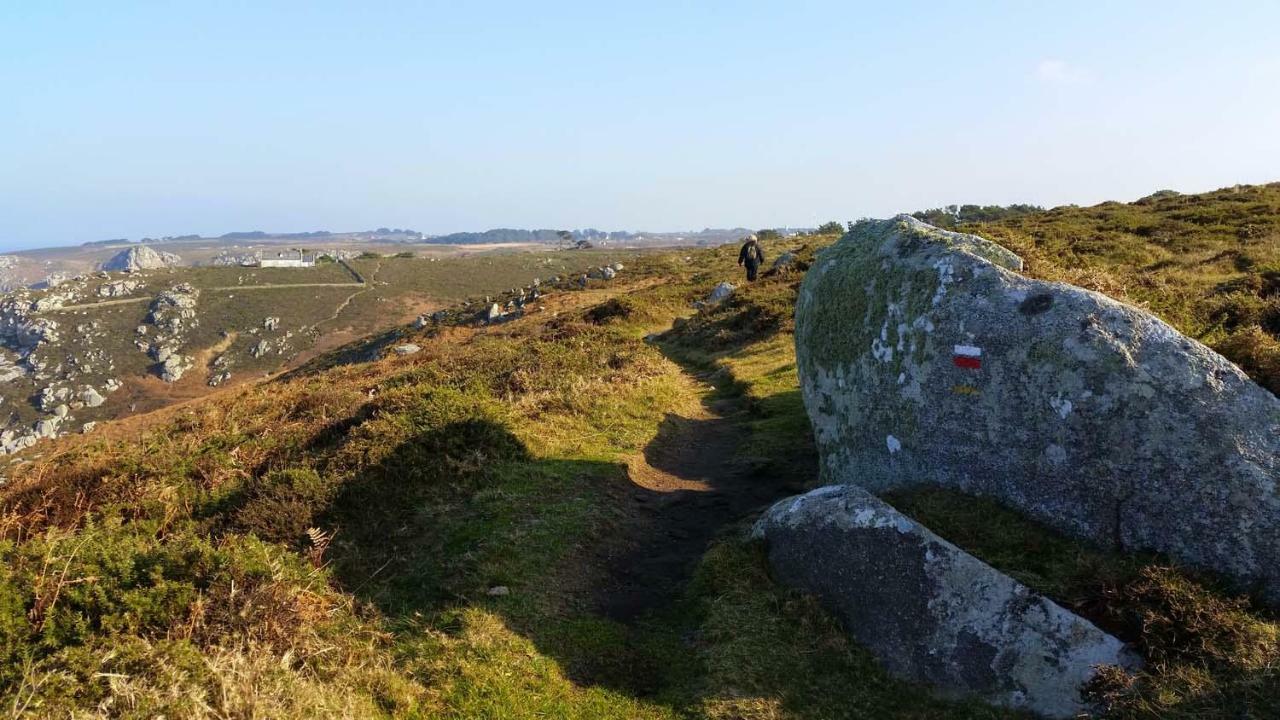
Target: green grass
x,y
326,545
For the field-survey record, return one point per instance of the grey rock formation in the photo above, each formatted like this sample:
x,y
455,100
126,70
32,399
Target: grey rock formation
x,y
785,260
925,358
140,258
407,349
721,292
931,612
174,367
271,324
92,398
47,427
119,288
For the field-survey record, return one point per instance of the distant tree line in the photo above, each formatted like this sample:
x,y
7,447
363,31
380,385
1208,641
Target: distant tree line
x,y
954,215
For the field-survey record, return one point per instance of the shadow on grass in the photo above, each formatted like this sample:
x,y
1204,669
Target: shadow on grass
x,y
596,556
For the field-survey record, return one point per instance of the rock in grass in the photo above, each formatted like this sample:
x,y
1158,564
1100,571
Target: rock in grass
x,y
407,349
926,358
721,292
931,612
785,260
91,397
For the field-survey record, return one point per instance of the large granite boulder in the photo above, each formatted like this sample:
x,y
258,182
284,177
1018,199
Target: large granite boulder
x,y
931,612
925,358
140,258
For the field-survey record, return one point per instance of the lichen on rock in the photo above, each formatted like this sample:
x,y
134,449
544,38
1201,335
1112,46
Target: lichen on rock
x,y
1087,414
931,612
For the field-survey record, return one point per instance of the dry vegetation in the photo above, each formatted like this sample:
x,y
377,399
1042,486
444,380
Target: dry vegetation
x,y
329,544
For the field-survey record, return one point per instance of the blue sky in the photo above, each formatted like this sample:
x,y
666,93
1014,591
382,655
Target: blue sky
x,y
159,118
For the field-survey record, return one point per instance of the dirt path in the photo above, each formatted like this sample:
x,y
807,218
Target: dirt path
x,y
688,484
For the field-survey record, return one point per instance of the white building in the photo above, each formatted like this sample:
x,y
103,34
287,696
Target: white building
x,y
287,262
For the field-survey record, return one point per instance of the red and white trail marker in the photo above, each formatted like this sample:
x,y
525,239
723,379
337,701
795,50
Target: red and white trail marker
x,y
968,357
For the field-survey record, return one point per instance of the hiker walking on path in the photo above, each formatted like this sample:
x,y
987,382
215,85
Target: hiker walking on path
x,y
752,257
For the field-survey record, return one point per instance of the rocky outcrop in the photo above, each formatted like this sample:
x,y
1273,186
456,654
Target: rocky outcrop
x,y
118,289
931,612
173,313
140,258
925,358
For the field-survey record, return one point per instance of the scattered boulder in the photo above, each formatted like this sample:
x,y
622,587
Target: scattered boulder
x,y
92,398
492,315
407,349
140,258
174,367
931,612
48,427
271,324
421,322
785,260
9,370
925,358
721,292
118,289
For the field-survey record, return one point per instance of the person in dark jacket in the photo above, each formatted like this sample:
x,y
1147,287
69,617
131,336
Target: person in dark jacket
x,y
752,257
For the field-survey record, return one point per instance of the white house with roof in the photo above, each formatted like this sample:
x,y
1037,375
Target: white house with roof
x,y
283,261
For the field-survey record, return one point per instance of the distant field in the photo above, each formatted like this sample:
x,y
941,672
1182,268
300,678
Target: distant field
x,y
317,308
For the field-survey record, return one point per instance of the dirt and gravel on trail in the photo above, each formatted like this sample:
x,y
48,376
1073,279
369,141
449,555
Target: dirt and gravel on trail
x,y
692,481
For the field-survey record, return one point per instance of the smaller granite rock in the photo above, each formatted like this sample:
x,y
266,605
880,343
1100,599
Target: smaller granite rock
x,y
721,292
92,398
271,323
931,612
407,349
785,260
118,289
47,427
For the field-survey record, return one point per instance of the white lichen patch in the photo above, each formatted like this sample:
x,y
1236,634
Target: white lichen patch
x,y
1061,405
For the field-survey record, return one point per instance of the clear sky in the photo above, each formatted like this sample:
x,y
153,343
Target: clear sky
x,y
131,119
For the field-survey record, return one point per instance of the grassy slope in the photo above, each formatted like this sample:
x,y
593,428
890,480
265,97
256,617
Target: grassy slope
x,y
327,545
